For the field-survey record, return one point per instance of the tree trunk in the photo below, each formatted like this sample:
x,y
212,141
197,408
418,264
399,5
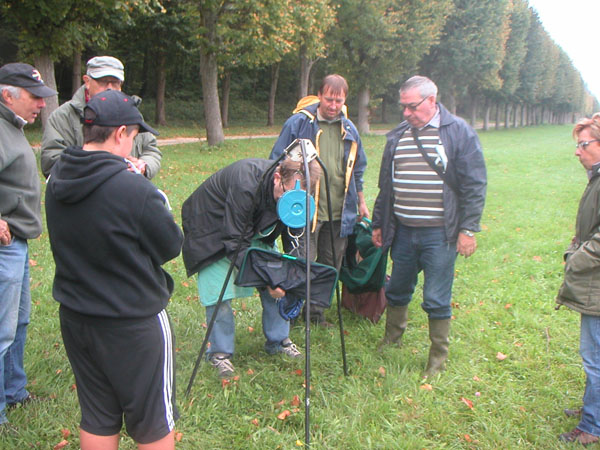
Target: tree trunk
x,y
273,93
210,91
507,111
473,118
76,74
45,65
363,110
514,116
225,89
451,103
161,85
497,118
305,66
384,104
486,115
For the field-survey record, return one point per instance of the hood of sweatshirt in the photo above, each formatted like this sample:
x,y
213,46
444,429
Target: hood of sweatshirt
x,y
78,173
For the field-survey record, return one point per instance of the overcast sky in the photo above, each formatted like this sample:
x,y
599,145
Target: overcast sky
x,y
574,25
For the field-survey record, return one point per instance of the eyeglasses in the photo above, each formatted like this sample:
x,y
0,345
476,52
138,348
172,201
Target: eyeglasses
x,y
584,144
411,106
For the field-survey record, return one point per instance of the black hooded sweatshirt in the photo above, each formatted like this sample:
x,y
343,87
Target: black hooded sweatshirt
x,y
110,232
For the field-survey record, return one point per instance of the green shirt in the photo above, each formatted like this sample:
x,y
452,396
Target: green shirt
x,y
331,152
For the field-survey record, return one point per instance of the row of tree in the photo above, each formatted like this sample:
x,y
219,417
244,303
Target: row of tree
x,y
488,57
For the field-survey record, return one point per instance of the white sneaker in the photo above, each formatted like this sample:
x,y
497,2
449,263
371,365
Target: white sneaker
x,y
221,362
289,348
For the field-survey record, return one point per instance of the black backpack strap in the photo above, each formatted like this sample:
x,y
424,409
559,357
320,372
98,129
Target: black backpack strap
x,y
430,161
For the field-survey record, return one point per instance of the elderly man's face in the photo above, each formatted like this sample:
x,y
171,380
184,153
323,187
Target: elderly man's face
x,y
418,111
588,149
97,85
27,105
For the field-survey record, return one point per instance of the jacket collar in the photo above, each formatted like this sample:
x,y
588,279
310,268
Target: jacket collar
x,y
7,114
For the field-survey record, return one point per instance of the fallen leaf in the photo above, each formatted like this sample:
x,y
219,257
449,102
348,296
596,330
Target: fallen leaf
x,y
476,378
250,372
203,325
185,284
33,263
507,306
346,333
284,414
178,437
427,387
467,402
281,403
236,378
299,443
298,372
254,422
225,382
61,444
381,371
537,258
295,401
59,371
468,438
501,356
250,329
65,433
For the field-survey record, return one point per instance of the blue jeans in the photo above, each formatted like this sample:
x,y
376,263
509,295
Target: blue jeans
x,y
589,348
275,328
15,304
426,249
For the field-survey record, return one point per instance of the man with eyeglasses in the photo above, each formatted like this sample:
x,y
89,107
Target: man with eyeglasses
x,y
432,185
323,119
64,128
580,290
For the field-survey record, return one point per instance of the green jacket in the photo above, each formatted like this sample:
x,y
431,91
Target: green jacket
x,y
19,180
580,290
64,129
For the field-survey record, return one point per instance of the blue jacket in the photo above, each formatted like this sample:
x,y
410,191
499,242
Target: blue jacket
x,y
465,170
305,125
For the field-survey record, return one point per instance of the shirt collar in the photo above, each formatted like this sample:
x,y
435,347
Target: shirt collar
x,y
435,120
320,118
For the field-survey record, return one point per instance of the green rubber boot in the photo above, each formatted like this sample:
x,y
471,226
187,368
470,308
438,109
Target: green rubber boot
x,y
395,324
438,353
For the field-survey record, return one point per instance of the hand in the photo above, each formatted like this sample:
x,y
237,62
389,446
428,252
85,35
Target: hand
x,y
276,293
363,211
5,236
376,237
466,245
139,164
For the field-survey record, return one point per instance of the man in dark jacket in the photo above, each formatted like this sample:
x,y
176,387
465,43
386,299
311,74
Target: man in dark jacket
x,y
580,290
232,210
432,185
22,94
325,123
110,232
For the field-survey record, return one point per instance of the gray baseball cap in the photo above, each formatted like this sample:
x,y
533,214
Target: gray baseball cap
x,y
105,66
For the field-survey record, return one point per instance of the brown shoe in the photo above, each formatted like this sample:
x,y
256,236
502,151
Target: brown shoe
x,y
572,412
578,436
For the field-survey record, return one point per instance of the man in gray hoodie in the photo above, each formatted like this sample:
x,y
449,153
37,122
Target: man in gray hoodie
x,y
22,94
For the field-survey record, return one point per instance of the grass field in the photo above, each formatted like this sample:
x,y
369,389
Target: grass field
x,y
513,366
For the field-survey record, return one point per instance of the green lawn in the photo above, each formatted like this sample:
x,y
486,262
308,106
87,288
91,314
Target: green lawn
x,y
503,305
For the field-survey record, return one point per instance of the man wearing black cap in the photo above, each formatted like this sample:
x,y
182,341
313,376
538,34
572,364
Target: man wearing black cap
x,y
22,94
110,232
63,128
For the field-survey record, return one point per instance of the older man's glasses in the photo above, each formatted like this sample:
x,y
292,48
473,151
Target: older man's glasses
x,y
583,145
411,106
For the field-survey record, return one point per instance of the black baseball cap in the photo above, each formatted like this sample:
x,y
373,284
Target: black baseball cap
x,y
113,109
25,76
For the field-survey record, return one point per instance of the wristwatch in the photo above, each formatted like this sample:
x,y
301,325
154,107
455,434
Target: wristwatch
x,y
467,233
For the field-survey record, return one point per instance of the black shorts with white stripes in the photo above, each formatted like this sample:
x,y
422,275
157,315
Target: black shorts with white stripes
x,y
124,368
